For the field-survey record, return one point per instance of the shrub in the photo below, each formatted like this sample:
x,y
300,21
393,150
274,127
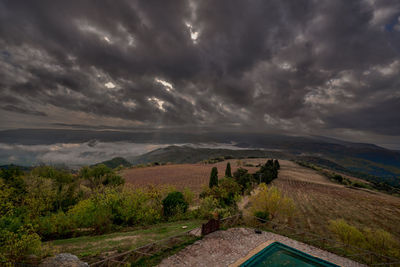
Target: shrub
x,y
227,192
338,178
263,216
267,172
107,209
346,233
56,225
100,175
243,178
174,203
14,246
272,201
213,177
381,241
93,213
188,195
208,206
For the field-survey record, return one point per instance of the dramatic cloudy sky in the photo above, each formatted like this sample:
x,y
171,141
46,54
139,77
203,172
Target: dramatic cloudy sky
x,y
326,67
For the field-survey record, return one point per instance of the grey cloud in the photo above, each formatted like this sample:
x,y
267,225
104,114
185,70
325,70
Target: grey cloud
x,y
255,65
23,110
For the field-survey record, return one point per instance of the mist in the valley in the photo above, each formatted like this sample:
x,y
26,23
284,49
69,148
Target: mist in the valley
x,y
75,155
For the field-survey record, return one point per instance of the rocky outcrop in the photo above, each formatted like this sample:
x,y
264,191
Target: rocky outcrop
x,y
63,260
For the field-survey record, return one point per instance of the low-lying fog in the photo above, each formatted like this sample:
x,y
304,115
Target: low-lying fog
x,y
75,155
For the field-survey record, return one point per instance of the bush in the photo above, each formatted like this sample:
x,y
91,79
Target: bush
x,y
263,216
267,172
56,225
244,179
107,209
174,204
14,246
227,192
99,175
346,233
188,195
382,242
271,200
210,208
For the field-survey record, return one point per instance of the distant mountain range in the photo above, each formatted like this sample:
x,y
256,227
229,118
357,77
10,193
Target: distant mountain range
x,y
366,160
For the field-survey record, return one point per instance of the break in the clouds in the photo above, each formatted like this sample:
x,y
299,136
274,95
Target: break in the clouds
x,y
306,66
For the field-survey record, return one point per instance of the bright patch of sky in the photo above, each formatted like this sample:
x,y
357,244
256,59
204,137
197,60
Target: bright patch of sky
x,y
159,103
109,85
167,85
193,34
107,39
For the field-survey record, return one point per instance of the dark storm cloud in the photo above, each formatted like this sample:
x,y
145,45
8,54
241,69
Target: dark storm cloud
x,y
304,66
22,110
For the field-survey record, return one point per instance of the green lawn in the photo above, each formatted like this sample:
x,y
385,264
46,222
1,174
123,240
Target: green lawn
x,y
88,246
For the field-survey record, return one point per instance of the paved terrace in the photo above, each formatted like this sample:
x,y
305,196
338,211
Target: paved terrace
x,y
224,248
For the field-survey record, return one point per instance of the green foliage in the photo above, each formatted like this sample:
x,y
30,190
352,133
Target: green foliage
x,y
346,233
56,225
188,195
270,200
244,179
210,207
228,172
107,209
213,177
174,204
227,192
276,164
99,175
267,172
376,240
15,245
262,215
13,178
117,162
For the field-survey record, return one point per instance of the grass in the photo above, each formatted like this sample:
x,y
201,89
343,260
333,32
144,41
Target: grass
x,y
108,244
159,256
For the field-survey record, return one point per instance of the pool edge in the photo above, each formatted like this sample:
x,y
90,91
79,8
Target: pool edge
x,y
251,253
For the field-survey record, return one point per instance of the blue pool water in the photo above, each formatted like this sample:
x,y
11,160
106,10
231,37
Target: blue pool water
x,y
278,254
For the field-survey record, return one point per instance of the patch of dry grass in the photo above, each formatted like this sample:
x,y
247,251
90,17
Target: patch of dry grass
x,y
193,176
319,200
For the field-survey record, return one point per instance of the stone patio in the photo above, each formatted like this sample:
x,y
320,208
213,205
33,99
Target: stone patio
x,y
224,248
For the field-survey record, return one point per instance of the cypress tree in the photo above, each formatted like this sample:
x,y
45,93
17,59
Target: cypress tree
x,y
213,177
276,164
228,172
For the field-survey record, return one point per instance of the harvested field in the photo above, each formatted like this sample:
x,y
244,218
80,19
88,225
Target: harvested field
x,y
193,176
320,200
317,198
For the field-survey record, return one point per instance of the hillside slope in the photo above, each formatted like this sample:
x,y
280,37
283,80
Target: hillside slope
x,y
319,200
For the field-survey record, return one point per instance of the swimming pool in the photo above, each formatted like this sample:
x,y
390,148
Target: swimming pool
x,y
278,254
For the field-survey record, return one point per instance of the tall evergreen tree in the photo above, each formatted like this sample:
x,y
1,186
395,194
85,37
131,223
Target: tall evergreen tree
x,y
213,177
228,172
276,164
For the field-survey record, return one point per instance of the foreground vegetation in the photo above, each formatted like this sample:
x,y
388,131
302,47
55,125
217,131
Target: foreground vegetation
x,y
48,203
94,211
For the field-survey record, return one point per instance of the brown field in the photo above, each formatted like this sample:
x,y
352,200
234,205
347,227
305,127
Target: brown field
x,y
193,176
319,200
